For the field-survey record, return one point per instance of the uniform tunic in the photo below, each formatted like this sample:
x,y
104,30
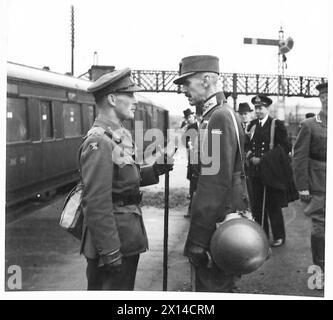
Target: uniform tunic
x,y
309,161
109,171
214,196
258,143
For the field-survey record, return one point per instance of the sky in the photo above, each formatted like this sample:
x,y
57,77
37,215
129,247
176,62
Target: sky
x,y
155,34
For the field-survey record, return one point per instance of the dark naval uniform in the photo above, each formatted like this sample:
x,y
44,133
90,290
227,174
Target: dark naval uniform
x,y
113,224
219,189
309,162
258,145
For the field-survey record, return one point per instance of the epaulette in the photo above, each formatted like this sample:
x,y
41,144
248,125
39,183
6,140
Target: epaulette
x,y
95,131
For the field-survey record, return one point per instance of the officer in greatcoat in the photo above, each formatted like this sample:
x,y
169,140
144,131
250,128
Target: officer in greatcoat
x,y
113,230
266,198
309,162
220,167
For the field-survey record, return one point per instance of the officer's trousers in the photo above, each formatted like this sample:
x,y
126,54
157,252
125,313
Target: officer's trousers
x,y
100,279
273,210
318,238
213,280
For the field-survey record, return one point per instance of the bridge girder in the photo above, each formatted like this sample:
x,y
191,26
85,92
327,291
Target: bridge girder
x,y
234,83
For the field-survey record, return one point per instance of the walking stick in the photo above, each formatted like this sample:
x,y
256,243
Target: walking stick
x,y
166,231
263,208
166,224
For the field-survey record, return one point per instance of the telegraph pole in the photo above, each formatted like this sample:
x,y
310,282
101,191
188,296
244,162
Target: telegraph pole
x,y
72,40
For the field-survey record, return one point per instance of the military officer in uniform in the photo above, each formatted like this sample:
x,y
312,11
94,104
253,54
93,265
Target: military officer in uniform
x,y
213,198
113,230
309,162
256,148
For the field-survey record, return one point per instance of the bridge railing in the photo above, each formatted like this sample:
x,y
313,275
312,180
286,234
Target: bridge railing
x,y
235,83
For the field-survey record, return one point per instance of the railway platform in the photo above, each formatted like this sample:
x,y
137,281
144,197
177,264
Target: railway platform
x,y
49,259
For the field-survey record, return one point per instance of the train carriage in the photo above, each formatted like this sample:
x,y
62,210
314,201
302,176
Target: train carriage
x,y
47,115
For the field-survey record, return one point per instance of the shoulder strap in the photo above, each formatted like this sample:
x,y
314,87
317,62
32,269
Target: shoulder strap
x,y
89,133
237,133
271,142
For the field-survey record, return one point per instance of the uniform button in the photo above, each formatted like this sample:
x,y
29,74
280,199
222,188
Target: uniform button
x,y
262,148
263,143
262,154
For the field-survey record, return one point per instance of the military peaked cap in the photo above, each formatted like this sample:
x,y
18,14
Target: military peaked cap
x,y
116,81
193,64
261,100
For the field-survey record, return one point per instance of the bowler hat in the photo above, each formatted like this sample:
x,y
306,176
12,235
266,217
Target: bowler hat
x,y
322,87
187,112
116,81
193,64
261,100
244,107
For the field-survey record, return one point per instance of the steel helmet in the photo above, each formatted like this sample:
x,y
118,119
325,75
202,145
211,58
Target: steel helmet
x,y
239,246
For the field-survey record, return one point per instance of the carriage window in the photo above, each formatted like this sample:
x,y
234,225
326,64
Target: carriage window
x,y
17,129
91,115
72,120
46,119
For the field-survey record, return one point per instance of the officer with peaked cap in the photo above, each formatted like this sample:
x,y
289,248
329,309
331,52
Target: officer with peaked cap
x,y
219,168
113,229
264,194
309,162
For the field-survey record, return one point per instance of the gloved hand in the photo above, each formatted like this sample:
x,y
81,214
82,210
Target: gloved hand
x,y
305,196
255,160
163,163
197,255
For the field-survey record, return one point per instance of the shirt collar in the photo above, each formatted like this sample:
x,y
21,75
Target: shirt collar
x,y
263,121
107,124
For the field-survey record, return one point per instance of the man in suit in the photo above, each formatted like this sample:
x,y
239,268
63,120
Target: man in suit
x,y
191,140
245,113
309,162
220,167
113,229
257,148
188,118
